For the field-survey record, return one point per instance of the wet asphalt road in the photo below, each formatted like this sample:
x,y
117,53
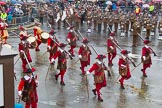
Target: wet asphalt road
x,y
140,92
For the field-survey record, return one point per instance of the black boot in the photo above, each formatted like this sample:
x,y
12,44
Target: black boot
x,y
100,99
94,92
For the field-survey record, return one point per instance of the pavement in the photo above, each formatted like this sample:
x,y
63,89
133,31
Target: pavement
x,y
139,92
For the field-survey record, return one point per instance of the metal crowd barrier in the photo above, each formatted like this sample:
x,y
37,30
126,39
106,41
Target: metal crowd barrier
x,y
22,20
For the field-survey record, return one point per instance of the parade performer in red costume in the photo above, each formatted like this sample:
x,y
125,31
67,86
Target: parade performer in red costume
x,y
24,50
111,48
84,55
71,38
37,33
62,62
124,69
27,89
52,46
146,57
3,31
23,33
99,75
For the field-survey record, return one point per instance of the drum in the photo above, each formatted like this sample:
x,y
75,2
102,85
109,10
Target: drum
x,y
32,42
44,37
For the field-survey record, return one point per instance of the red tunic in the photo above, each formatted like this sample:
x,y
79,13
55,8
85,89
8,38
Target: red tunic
x,y
53,47
109,44
98,71
52,44
28,86
85,52
62,59
71,36
3,30
37,32
25,48
23,34
123,63
146,52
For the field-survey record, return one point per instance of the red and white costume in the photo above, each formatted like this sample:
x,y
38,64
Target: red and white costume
x,y
124,65
84,55
99,73
23,33
71,38
52,46
24,48
146,57
37,33
111,48
3,31
27,88
62,62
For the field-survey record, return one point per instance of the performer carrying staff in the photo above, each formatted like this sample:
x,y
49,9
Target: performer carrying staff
x,y
71,38
23,33
99,20
105,20
94,19
116,21
52,46
77,19
27,89
37,33
160,26
136,30
3,31
24,50
148,28
62,62
146,57
89,20
84,55
110,22
99,75
124,70
111,48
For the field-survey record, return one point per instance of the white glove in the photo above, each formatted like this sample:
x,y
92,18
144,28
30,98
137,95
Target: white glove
x,y
111,47
123,65
49,47
68,40
68,28
144,58
53,60
21,51
37,82
111,38
87,72
146,46
20,93
80,56
36,37
124,56
71,30
23,42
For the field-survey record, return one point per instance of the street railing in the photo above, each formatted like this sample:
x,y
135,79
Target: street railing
x,y
21,20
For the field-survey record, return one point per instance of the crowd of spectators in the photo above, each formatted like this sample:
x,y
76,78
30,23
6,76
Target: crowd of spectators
x,y
9,11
